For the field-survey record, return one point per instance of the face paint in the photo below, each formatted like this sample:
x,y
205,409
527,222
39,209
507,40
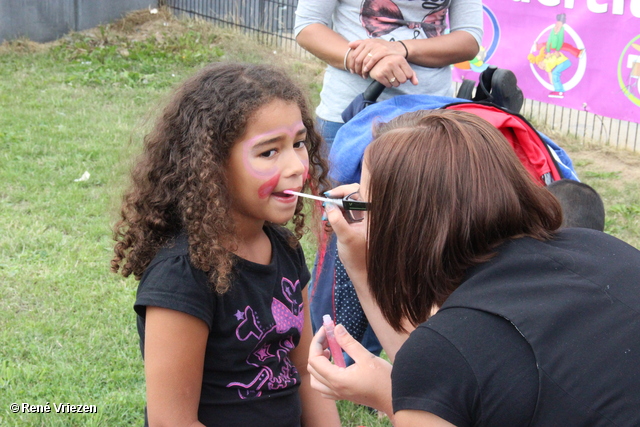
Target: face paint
x,y
249,144
267,188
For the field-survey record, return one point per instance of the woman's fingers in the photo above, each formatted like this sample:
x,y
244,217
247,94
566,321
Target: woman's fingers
x,y
392,71
350,345
341,191
366,54
367,381
319,366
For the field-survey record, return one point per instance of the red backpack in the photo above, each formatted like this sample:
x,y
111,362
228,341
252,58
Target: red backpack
x,y
525,140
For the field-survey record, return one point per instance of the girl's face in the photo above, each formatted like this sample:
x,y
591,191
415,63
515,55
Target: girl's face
x,y
269,158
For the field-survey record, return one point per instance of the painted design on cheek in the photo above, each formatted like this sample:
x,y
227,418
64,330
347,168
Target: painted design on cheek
x,y
305,175
248,145
267,188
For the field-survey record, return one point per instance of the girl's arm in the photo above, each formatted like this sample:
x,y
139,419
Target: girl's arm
x,y
316,410
174,348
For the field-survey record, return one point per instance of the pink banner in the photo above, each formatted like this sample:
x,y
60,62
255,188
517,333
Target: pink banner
x,y
582,54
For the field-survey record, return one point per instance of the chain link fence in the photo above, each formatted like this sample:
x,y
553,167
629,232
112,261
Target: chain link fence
x,y
272,21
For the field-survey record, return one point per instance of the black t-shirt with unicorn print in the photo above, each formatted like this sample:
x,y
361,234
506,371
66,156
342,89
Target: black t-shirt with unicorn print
x,y
248,377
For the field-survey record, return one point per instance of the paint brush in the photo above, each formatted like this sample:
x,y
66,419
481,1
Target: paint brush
x,y
334,347
337,202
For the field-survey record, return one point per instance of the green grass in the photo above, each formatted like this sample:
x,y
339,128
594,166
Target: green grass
x,y
67,327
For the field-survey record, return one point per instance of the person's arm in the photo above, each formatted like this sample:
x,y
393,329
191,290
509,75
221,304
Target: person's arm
x,y
434,52
174,349
316,410
325,44
352,247
314,33
462,43
437,52
366,382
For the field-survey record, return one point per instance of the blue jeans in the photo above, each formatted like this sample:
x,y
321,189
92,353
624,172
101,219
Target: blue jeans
x,y
556,73
328,131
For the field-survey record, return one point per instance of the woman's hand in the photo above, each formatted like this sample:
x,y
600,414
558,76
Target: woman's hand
x,y
367,381
352,249
352,243
392,71
366,54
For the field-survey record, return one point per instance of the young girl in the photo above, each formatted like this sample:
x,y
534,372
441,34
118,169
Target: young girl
x,y
220,303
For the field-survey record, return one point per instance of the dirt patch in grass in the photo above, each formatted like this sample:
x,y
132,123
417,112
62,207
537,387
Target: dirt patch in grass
x,y
601,161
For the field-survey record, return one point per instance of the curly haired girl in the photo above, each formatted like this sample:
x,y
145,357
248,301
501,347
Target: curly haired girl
x,y
220,302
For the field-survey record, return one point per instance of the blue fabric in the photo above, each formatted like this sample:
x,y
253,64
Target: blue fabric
x,y
328,130
357,105
322,284
345,156
564,163
556,75
353,137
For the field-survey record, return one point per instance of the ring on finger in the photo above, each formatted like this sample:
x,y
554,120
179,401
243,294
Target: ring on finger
x,y
392,79
369,54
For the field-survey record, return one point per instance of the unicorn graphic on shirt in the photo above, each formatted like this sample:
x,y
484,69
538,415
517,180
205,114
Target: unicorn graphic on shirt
x,y
287,316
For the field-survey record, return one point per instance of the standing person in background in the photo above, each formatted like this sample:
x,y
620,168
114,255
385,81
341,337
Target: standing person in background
x,y
405,45
222,311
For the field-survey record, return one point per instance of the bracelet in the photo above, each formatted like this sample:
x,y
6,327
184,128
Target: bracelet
x,y
406,51
344,63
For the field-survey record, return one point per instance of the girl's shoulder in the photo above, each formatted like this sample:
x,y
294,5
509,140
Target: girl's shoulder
x,y
175,247
172,264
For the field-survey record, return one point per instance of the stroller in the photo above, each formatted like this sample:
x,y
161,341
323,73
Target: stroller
x,y
331,291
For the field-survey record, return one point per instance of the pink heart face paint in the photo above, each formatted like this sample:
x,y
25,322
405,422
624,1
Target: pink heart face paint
x,y
267,188
271,157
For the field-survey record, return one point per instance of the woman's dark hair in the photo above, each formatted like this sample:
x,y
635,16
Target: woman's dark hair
x,y
445,189
179,183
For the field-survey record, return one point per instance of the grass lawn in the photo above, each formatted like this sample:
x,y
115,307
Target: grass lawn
x,y
67,327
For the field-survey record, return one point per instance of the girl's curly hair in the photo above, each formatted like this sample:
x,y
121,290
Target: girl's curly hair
x,y
179,183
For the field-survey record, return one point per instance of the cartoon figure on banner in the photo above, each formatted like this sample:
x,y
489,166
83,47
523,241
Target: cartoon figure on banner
x,y
552,57
634,64
492,35
629,71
